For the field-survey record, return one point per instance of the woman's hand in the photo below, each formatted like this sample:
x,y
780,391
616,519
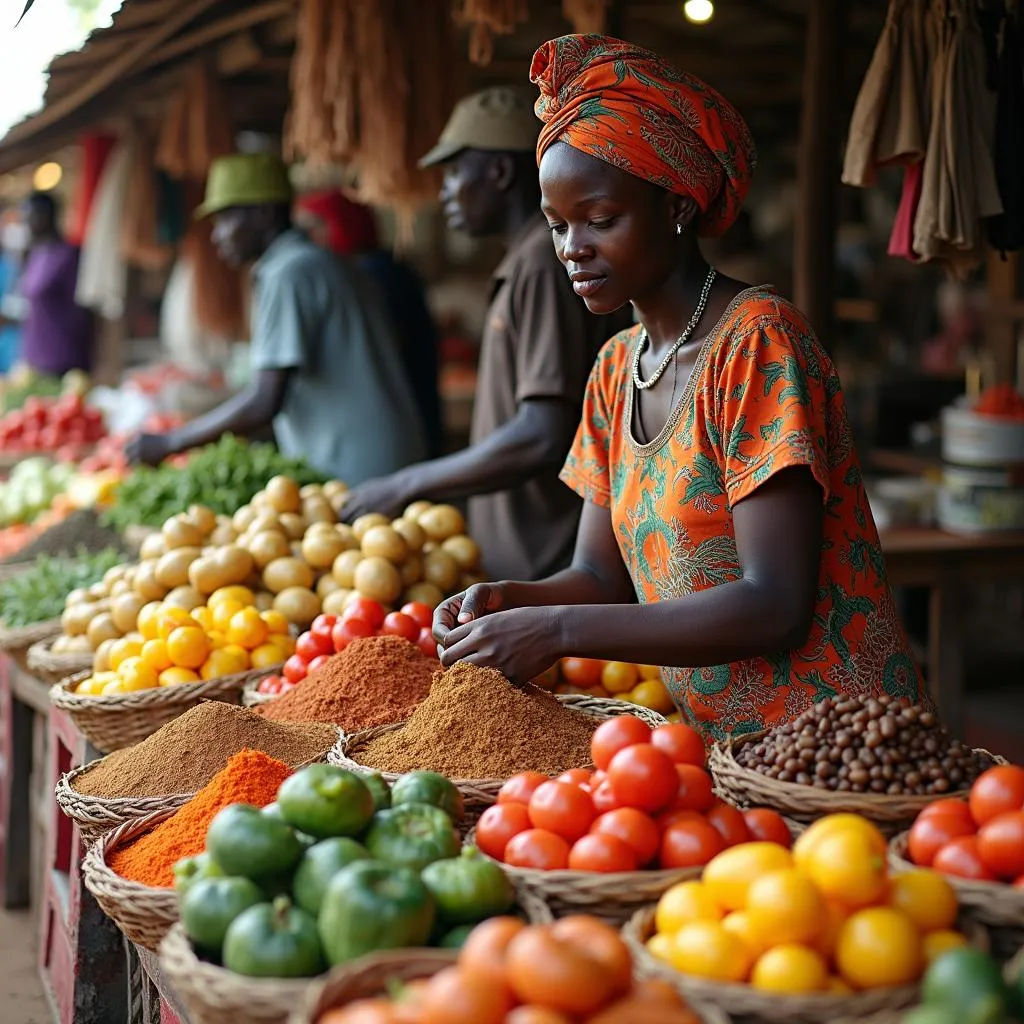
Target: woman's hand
x,y
520,642
481,599
387,494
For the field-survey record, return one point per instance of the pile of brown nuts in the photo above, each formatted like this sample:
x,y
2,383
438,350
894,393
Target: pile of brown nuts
x,y
878,745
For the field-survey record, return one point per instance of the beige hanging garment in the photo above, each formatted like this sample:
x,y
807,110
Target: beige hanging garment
x,y
903,129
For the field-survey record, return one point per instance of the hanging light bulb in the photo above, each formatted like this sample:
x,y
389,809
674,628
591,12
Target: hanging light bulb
x,y
700,12
47,177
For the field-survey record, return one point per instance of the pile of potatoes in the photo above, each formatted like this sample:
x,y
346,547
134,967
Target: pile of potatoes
x,y
287,546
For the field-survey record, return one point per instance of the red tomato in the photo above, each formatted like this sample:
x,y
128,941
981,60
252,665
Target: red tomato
x,y
575,777
931,834
767,826
689,844
318,663
312,645
1001,844
948,808
399,624
996,791
295,669
364,608
497,825
421,613
348,630
582,672
426,643
729,823
670,818
322,627
644,777
960,857
520,788
51,437
616,734
603,798
270,686
597,777
634,828
536,848
603,853
562,808
683,744
695,791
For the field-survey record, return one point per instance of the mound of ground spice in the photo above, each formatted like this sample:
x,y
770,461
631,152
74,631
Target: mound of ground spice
x,y
374,681
250,777
188,752
476,725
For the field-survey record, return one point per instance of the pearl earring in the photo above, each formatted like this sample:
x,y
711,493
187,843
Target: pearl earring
x,y
679,229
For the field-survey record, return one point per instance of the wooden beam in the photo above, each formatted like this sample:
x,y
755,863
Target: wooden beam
x,y
814,255
1002,277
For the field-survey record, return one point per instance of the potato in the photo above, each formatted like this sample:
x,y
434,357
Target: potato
x,y
344,568
321,549
77,645
286,573
411,570
442,521
363,523
124,610
153,547
230,565
333,489
378,579
98,591
80,595
283,494
411,532
243,518
101,659
102,628
416,509
441,569
264,600
268,545
224,533
178,532
146,583
334,602
75,620
124,586
202,518
172,569
464,550
327,584
384,542
294,526
348,535
265,521
298,605
186,597
318,510
311,491
426,593
113,574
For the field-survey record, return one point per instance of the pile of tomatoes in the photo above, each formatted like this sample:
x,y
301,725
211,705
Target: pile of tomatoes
x,y
64,425
648,804
981,838
331,634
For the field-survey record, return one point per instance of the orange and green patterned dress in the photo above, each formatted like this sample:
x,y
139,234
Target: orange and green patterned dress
x,y
763,396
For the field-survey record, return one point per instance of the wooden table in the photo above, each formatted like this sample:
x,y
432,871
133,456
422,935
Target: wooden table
x,y
942,563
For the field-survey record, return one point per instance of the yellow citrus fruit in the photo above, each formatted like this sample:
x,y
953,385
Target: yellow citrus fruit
x,y
739,923
121,650
707,950
225,662
785,907
729,875
649,672
936,943
147,620
651,694
284,642
94,685
835,918
847,868
240,595
826,826
925,897
790,969
217,639
154,654
266,656
247,629
135,674
171,619
619,676
660,946
188,647
224,612
174,676
877,947
112,688
683,903
203,617
276,622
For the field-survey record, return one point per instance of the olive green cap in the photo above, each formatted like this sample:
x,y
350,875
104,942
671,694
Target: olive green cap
x,y
500,118
245,179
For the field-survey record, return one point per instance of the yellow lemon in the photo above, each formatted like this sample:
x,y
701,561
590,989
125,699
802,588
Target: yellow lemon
x,y
729,876
225,662
660,946
224,612
247,629
121,650
174,676
113,688
217,639
171,619
878,947
835,918
683,903
147,620
266,656
830,824
707,950
785,907
188,647
203,617
846,866
238,594
936,943
94,684
740,924
790,969
154,654
135,674
925,897
276,622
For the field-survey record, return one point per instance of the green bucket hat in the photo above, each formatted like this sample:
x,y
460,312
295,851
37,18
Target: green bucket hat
x,y
245,179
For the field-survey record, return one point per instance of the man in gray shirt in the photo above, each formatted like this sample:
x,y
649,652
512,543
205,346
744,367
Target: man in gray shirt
x,y
327,362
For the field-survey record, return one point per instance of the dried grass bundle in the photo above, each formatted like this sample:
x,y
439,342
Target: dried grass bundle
x,y
487,19
197,128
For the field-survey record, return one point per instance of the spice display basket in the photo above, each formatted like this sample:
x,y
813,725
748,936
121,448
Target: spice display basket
x,y
111,723
143,913
479,794
51,668
95,815
993,905
213,995
16,641
746,788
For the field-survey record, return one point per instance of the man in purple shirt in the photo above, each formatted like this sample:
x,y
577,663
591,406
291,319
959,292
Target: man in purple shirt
x,y
57,333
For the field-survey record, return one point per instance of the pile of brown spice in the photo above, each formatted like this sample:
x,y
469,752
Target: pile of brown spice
x,y
375,681
187,753
476,725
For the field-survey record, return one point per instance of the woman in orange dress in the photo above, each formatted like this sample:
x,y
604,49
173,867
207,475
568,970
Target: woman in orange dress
x,y
715,457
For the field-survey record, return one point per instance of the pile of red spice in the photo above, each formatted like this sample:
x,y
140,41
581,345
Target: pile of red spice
x,y
374,681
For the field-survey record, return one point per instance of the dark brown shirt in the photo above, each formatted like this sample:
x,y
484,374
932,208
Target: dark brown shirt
x,y
539,342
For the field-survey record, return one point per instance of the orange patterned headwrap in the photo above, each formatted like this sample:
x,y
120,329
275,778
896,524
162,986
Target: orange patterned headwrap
x,y
628,107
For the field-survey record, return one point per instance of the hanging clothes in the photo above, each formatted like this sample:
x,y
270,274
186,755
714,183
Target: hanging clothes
x,y
186,341
140,233
1006,231
95,150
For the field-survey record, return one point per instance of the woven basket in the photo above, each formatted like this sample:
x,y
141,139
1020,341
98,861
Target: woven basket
x,y
51,668
252,698
15,642
746,788
993,905
111,723
143,913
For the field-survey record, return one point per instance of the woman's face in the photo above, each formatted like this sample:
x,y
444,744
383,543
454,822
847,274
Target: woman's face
x,y
614,233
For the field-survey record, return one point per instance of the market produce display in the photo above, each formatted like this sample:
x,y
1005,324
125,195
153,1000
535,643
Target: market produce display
x,y
639,684
824,918
65,426
577,969
186,753
37,593
373,681
339,866
31,489
648,804
77,530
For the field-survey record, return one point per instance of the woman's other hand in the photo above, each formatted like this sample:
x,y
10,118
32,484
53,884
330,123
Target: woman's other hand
x,y
479,600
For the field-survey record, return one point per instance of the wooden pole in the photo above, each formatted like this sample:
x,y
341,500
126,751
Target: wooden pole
x,y
818,165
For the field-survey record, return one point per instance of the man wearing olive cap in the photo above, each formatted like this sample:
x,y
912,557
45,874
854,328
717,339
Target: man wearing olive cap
x,y
538,345
328,371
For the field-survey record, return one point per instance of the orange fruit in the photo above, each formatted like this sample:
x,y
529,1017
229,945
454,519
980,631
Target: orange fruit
x,y
846,866
147,620
925,897
649,672
790,969
785,907
619,676
121,650
706,949
683,903
276,622
224,612
247,629
660,946
238,594
174,675
188,646
581,672
171,619
877,947
740,924
225,661
838,987
936,943
651,694
729,876
154,654
835,918
134,674
203,617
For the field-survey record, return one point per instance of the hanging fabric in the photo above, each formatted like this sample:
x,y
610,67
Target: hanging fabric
x,y
197,128
95,149
140,241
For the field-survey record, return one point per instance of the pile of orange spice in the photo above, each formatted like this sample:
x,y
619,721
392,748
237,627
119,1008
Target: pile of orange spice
x,y
250,777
